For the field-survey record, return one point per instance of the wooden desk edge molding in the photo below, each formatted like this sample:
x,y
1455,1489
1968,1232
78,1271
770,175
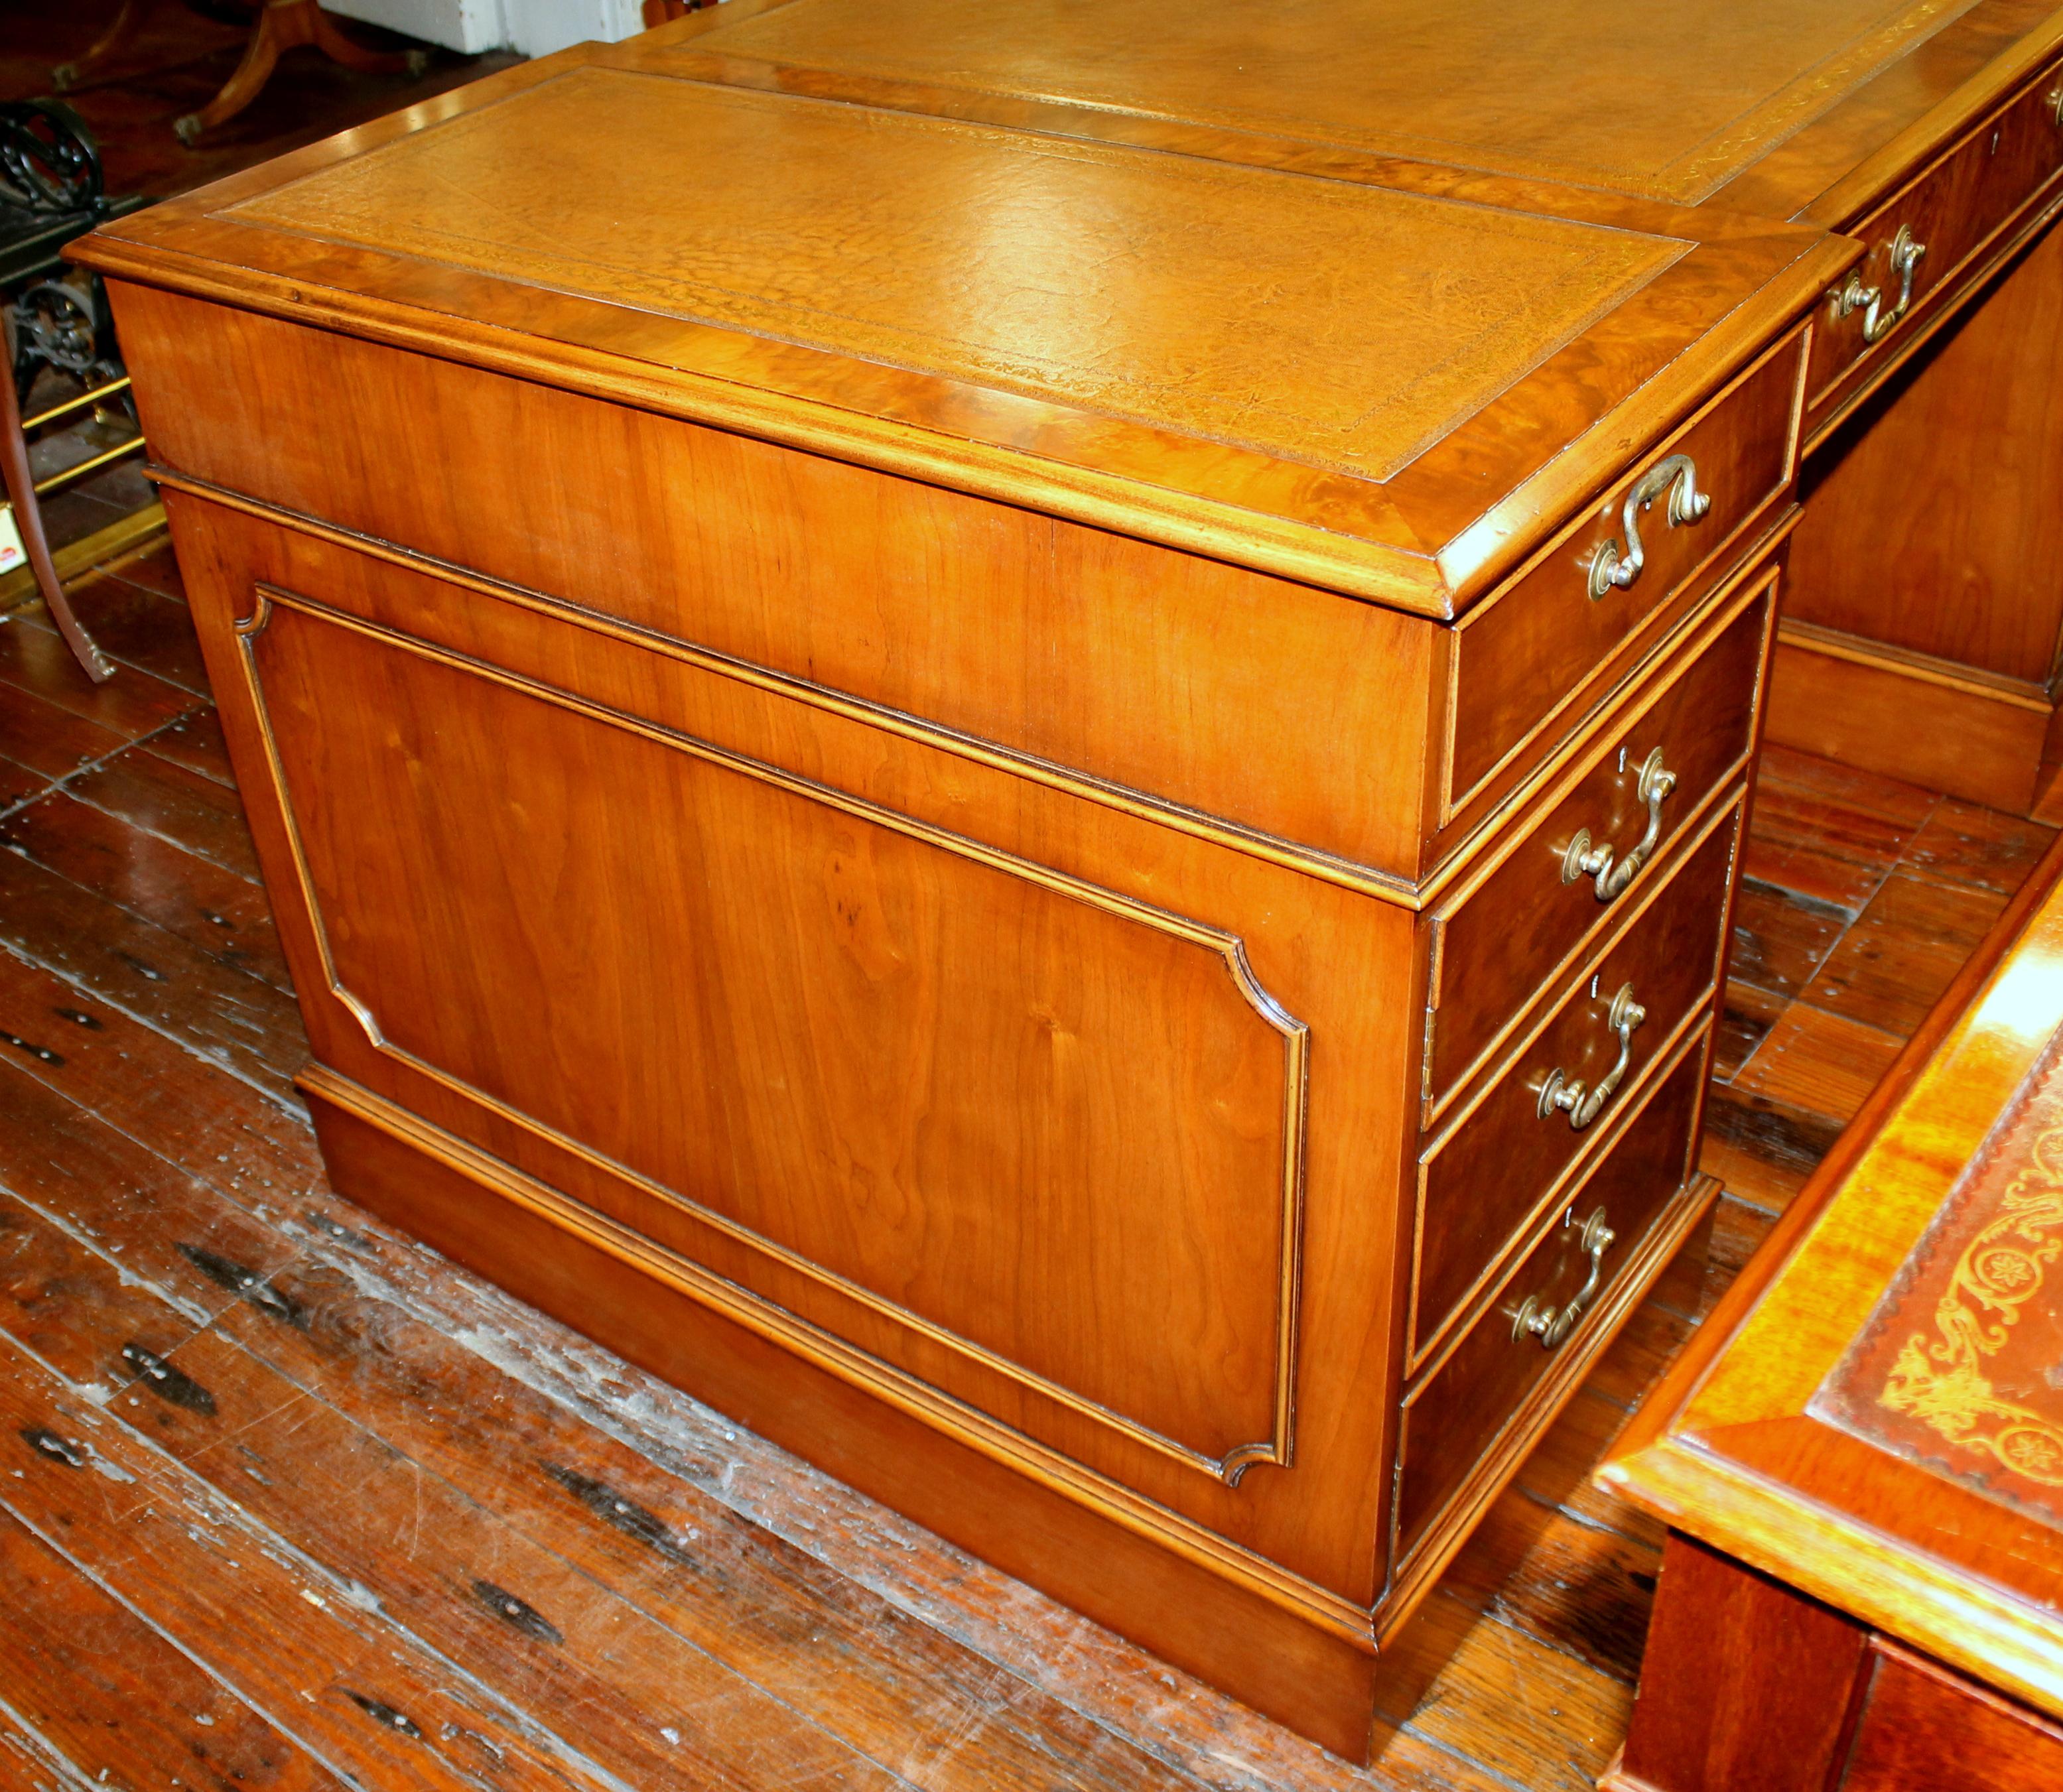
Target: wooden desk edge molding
x,y
713,669
1791,1517
1922,639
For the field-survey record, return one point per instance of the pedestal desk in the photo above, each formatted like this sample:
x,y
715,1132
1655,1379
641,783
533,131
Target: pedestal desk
x,y
1922,626
1860,1456
1056,819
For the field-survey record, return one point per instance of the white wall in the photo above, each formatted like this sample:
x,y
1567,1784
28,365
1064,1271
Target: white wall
x,y
536,27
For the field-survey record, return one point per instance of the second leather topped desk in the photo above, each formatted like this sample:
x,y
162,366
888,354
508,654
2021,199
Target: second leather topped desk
x,y
1058,821
1924,615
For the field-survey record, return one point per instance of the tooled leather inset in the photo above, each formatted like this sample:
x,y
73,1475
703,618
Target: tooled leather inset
x,y
1670,104
1961,1363
1940,1378
1322,322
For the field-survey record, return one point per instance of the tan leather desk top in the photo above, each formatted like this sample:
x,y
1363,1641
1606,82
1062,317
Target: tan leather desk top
x,y
1394,394
1770,107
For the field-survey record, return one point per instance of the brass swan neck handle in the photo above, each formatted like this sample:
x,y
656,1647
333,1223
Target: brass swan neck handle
x,y
1552,1325
1613,568
1561,1094
1583,860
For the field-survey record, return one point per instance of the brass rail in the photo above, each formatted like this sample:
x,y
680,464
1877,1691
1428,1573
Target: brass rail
x,y
78,403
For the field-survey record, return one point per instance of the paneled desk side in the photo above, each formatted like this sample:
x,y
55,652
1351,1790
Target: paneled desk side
x,y
938,886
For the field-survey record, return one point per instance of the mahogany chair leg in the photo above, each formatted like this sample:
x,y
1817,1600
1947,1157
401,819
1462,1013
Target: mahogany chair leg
x,y
21,484
111,42
339,48
281,26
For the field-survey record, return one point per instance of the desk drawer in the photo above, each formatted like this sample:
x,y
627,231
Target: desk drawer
x,y
1454,1416
1924,1727
1949,214
1479,1185
1500,937
1531,654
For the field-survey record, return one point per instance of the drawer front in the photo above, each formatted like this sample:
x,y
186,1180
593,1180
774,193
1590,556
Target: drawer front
x,y
1480,1184
1529,656
1924,1729
1455,1417
1506,931
1949,212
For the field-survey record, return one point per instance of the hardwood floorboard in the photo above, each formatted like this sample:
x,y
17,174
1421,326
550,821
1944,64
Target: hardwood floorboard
x,y
1569,1585
141,786
140,628
222,916
152,975
1763,1149
48,739
30,1762
147,1084
35,660
1903,951
1820,1062
1961,843
531,1626
91,1681
153,567
17,783
1782,768
314,1655
1534,1716
521,1544
195,742
1782,938
1834,853
1745,1019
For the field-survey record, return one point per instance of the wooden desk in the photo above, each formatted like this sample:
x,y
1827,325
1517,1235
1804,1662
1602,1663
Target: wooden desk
x,y
1861,1455
1922,630
1057,820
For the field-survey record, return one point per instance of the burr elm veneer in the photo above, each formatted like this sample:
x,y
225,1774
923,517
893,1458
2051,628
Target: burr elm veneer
x,y
1057,820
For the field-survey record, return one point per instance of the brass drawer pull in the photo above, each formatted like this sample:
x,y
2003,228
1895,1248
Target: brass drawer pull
x,y
1583,860
1582,1105
1612,569
1552,1325
1907,253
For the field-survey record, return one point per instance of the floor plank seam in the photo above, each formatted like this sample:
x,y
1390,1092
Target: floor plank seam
x,y
15,949
231,1514
105,759
51,1759
149,833
508,1354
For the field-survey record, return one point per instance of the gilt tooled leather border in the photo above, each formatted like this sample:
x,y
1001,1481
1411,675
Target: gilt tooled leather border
x,y
1960,1366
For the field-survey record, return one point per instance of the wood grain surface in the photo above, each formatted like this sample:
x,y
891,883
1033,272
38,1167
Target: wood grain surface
x,y
1516,89
1031,385
859,1623
1192,296
1818,117
1917,1534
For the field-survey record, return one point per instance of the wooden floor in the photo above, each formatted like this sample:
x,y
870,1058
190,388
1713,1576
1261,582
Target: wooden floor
x,y
178,63
286,1502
